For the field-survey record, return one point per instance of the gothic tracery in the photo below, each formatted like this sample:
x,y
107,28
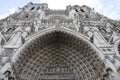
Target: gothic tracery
x,y
37,43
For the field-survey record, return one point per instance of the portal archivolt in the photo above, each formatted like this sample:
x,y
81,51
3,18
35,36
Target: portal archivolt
x,y
58,55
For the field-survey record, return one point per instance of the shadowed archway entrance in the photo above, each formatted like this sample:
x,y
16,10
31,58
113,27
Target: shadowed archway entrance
x,y
57,55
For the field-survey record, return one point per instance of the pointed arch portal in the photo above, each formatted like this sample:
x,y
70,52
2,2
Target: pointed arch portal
x,y
57,55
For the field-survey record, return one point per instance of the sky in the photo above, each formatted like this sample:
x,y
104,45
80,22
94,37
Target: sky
x,y
109,8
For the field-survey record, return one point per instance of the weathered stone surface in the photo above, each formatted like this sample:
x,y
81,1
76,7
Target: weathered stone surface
x,y
37,43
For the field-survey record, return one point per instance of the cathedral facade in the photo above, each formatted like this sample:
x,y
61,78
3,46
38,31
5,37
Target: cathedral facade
x,y
38,43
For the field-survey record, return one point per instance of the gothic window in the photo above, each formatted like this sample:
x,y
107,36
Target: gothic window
x,y
82,10
38,8
119,48
32,8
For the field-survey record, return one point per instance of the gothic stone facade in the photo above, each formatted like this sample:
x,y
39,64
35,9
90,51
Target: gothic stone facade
x,y
37,43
